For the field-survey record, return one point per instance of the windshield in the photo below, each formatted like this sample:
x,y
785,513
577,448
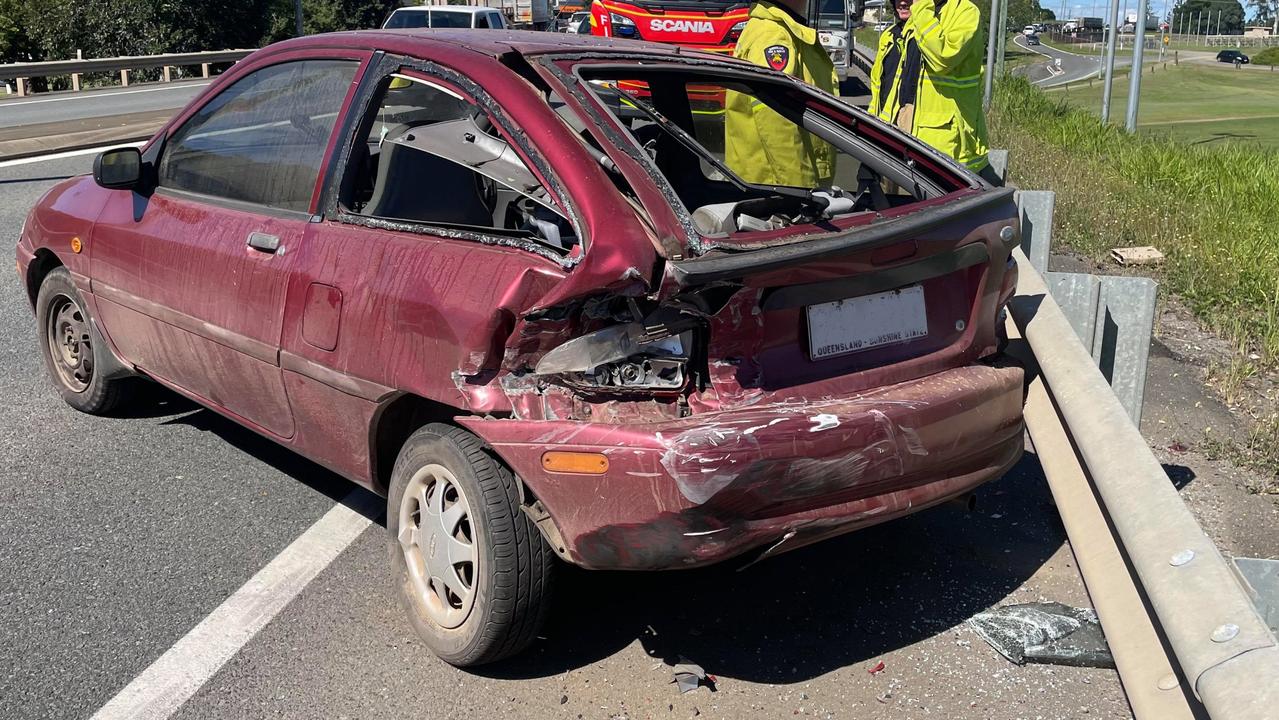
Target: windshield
x,y
833,7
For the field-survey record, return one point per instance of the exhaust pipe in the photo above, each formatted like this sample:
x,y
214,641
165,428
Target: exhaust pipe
x,y
967,500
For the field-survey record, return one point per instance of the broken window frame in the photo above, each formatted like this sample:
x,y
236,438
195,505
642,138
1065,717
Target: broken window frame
x,y
362,113
892,151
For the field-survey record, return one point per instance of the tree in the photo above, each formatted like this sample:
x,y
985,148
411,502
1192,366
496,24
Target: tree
x,y
1020,13
1266,12
1201,17
16,45
320,16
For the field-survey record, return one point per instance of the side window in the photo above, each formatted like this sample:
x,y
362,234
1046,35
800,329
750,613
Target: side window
x,y
482,21
434,157
262,140
496,20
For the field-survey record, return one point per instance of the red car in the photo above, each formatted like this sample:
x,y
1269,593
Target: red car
x,y
544,317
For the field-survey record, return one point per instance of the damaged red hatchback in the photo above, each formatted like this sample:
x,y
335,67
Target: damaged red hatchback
x,y
513,282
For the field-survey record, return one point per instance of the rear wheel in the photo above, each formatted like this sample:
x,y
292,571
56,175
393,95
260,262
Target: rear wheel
x,y
70,347
471,569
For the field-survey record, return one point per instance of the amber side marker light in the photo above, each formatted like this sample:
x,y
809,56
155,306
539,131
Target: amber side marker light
x,y
76,245
575,462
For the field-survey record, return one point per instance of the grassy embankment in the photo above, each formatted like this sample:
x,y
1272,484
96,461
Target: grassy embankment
x,y
1211,208
1196,103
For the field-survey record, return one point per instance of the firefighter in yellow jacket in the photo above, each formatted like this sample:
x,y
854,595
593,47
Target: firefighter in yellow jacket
x,y
936,48
760,145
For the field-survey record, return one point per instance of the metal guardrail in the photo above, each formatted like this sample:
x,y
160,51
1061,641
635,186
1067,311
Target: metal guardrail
x,y
861,56
23,72
1223,648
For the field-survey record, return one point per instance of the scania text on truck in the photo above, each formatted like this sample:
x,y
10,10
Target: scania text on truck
x,y
713,25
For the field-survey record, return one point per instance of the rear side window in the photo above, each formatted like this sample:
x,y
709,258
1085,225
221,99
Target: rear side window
x,y
482,21
444,19
262,140
432,157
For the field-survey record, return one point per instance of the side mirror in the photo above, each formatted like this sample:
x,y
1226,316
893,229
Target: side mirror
x,y
118,168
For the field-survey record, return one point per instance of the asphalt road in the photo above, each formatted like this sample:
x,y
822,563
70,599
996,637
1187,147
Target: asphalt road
x,y
65,106
122,534
1073,68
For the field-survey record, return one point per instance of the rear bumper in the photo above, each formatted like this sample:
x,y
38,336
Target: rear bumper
x,y
703,489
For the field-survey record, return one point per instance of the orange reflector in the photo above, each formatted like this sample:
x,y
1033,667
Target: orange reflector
x,y
575,462
76,246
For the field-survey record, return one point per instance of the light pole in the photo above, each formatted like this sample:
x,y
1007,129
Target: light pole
x,y
1003,35
1113,18
991,43
1134,87
297,15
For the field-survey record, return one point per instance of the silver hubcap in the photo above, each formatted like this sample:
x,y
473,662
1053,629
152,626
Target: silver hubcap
x,y
68,335
437,535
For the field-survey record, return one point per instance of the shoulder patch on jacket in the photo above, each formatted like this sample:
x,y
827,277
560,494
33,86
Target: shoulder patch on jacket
x,y
777,56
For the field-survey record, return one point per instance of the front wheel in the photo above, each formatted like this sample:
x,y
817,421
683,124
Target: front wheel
x,y
471,569
71,348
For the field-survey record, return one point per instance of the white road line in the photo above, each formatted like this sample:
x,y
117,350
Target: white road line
x,y
94,96
184,668
67,154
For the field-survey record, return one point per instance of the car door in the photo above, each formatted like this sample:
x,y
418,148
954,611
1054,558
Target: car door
x,y
418,267
191,279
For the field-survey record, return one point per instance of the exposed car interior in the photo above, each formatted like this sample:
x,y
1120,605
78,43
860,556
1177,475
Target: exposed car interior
x,y
433,157
679,120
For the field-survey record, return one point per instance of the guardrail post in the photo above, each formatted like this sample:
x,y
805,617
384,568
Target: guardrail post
x,y
998,160
204,70
165,73
124,78
75,77
22,87
1036,225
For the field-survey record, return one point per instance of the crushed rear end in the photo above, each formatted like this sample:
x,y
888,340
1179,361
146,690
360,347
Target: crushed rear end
x,y
764,390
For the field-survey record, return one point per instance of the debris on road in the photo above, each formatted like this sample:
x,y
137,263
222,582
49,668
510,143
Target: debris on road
x,y
1047,632
689,675
876,668
1144,255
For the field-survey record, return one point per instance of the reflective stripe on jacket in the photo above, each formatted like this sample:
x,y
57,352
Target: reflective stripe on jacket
x,y
889,56
760,145
948,113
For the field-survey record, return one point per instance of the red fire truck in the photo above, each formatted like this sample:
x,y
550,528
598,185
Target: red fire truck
x,y
712,25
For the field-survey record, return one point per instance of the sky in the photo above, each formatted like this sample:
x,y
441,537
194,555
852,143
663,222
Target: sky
x,y
1066,9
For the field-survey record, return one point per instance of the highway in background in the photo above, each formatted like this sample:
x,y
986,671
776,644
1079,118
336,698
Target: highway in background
x,y
107,102
1072,67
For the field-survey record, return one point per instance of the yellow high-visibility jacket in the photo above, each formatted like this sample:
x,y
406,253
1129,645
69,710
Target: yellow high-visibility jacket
x,y
883,100
948,113
760,145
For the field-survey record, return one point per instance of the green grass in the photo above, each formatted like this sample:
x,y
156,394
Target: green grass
x,y
867,37
1211,208
1195,104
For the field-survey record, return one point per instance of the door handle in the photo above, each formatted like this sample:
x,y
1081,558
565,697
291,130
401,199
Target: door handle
x,y
265,243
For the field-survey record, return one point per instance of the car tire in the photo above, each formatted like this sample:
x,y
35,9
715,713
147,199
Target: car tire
x,y
472,570
72,349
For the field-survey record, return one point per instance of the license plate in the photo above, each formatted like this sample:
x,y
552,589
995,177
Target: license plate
x,y
861,323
